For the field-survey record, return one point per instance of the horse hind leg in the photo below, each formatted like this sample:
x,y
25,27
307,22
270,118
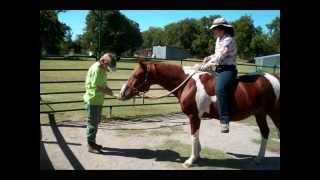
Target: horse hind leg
x,y
275,116
261,119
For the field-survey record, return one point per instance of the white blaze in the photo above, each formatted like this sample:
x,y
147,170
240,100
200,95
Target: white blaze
x,y
122,89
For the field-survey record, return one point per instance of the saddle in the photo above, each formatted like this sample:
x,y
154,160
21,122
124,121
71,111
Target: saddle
x,y
251,77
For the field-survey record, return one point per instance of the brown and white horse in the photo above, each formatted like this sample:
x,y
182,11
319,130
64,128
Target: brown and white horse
x,y
255,94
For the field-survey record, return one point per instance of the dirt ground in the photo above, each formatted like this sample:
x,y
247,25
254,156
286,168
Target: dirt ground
x,y
156,143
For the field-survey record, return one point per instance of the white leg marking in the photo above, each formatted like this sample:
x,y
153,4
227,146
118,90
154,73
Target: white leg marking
x,y
262,149
195,150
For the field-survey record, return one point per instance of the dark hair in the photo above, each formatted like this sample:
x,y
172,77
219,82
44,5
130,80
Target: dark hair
x,y
228,30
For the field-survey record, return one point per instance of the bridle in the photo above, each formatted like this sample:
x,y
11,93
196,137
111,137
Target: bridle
x,y
146,76
145,83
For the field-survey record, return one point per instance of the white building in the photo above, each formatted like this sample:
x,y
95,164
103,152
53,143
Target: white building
x,y
166,52
268,62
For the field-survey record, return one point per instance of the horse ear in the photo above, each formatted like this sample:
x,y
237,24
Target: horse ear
x,y
142,64
141,58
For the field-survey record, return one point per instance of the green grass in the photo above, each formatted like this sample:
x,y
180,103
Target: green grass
x,y
246,69
131,132
269,70
166,131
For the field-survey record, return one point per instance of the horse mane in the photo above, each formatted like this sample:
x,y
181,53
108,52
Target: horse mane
x,y
175,69
167,66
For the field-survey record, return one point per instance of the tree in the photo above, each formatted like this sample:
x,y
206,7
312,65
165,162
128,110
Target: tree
x,y
183,34
274,31
190,34
189,31
261,44
118,33
153,37
244,33
67,43
195,35
203,43
172,35
52,32
76,44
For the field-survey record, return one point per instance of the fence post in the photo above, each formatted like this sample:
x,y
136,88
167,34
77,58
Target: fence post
x,y
181,62
143,98
40,132
110,111
274,68
52,119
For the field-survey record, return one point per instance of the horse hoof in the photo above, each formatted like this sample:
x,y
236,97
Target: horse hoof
x,y
257,161
186,165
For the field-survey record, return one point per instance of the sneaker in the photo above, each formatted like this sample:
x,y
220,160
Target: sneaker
x,y
99,146
94,148
224,128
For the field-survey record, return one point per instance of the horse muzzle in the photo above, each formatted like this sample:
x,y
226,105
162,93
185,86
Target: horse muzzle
x,y
126,92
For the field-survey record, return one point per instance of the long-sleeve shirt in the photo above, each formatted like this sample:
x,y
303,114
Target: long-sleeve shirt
x,y
95,77
225,52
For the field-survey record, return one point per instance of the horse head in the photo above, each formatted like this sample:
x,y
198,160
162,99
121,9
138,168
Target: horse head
x,y
139,81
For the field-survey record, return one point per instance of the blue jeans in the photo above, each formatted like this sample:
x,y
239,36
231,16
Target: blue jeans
x,y
94,118
226,76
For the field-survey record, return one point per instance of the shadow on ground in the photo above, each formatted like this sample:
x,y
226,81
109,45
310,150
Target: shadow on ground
x,y
243,161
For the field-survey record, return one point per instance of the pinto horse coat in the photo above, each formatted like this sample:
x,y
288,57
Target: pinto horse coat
x,y
255,94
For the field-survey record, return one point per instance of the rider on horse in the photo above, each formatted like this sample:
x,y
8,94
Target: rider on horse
x,y
224,60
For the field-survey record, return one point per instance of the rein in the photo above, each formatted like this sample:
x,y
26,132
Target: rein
x,y
175,89
172,91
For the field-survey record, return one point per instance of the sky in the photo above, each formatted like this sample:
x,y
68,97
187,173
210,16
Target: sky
x,y
160,18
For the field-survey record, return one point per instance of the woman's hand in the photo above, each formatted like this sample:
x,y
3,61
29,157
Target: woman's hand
x,y
108,91
206,59
100,88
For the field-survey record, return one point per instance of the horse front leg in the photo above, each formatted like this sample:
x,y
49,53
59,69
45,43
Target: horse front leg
x,y
196,146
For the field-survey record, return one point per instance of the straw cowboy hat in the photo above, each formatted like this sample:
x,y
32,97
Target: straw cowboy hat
x,y
220,22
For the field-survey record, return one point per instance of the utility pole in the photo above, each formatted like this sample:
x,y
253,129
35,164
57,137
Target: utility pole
x,y
99,20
